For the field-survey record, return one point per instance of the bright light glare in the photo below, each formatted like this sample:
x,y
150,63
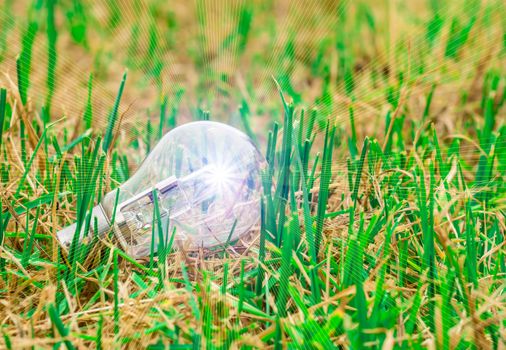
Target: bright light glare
x,y
220,178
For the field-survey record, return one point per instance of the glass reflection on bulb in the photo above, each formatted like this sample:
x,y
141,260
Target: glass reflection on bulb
x,y
206,176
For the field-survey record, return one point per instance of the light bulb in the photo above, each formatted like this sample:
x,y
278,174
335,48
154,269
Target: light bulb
x,y
206,176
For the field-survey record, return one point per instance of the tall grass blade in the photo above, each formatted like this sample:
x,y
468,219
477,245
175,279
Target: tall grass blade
x,y
113,116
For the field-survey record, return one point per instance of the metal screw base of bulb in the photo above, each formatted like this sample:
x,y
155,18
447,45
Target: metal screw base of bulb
x,y
66,235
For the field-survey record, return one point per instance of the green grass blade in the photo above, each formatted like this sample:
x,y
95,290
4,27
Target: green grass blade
x,y
113,116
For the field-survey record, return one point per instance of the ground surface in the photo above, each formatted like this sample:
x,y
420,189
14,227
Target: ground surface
x,y
383,123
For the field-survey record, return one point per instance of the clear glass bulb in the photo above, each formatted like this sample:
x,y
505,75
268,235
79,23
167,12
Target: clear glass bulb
x,y
206,176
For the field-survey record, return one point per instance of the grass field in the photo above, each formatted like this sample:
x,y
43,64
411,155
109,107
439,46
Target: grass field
x,y
383,124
